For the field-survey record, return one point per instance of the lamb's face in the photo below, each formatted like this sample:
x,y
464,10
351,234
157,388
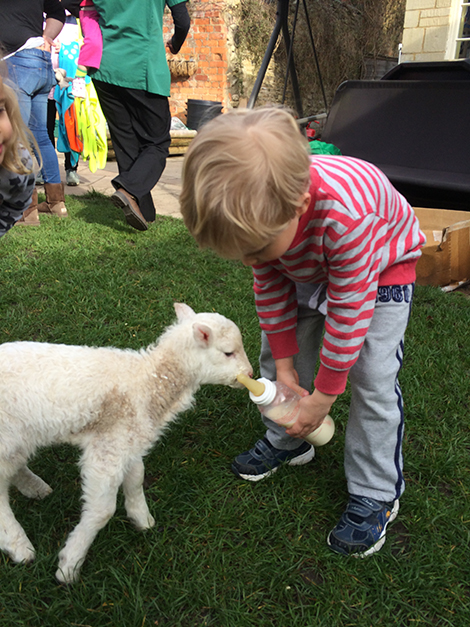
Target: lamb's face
x,y
221,351
233,356
216,354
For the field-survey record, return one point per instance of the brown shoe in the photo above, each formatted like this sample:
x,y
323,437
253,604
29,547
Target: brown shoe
x,y
123,200
55,200
30,217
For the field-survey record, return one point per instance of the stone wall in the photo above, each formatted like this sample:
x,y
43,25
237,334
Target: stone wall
x,y
201,69
426,30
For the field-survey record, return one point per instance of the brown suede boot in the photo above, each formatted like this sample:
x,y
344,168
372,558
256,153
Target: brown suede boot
x,y
55,200
31,217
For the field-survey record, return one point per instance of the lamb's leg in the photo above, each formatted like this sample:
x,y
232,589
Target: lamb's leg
x,y
30,484
136,505
13,539
99,504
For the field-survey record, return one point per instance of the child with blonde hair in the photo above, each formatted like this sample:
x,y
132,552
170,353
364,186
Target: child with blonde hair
x,y
333,247
17,178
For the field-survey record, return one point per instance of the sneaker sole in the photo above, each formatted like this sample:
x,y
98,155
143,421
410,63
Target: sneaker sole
x,y
375,548
300,460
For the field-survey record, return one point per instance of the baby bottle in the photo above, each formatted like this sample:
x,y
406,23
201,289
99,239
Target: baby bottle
x,y
281,405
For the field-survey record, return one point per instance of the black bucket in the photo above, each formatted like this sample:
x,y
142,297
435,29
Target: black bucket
x,y
201,111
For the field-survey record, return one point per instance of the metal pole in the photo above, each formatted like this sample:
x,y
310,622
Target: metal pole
x,y
282,14
290,58
266,59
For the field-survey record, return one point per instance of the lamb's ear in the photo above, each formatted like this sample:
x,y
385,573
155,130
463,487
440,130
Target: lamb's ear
x,y
202,334
183,312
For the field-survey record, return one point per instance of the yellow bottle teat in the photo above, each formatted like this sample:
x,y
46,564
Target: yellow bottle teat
x,y
256,387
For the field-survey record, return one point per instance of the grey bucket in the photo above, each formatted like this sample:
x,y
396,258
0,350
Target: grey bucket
x,y
201,111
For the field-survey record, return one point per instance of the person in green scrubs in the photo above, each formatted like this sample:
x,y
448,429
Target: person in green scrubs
x,y
133,85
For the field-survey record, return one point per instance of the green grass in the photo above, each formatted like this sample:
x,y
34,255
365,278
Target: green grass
x,y
225,553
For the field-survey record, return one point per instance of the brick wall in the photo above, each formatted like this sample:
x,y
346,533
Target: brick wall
x,y
208,45
426,30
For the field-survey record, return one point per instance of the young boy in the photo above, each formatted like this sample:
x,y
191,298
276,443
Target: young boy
x,y
251,192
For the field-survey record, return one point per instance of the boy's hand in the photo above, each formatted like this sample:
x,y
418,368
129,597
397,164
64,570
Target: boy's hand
x,y
287,374
313,407
313,410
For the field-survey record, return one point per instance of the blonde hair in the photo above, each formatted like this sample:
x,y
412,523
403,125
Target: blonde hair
x,y
243,178
21,139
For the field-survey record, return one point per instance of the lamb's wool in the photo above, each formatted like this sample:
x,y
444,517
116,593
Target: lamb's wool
x,y
114,405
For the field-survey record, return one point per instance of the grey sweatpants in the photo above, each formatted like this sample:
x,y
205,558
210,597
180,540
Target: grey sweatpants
x,y
373,459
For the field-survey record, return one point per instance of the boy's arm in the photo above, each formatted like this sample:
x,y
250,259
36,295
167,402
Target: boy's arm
x,y
276,306
354,262
353,270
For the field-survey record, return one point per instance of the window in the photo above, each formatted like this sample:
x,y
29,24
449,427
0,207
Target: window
x,y
462,49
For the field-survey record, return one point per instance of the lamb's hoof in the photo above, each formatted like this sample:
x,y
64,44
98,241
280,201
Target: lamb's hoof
x,y
66,575
22,554
30,485
61,577
44,491
39,491
142,524
69,567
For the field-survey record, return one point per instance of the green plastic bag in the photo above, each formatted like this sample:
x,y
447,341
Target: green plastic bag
x,y
322,148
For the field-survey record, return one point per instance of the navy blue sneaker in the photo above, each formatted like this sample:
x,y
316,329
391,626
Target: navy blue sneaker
x,y
362,527
263,459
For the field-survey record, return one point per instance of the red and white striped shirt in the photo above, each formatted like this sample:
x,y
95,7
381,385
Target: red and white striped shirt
x,y
357,234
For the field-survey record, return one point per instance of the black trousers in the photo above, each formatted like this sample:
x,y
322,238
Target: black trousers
x,y
51,116
139,125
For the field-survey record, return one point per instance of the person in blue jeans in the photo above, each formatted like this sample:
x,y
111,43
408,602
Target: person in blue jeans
x,y
27,42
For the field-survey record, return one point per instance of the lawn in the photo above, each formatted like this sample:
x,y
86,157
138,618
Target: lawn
x,y
224,552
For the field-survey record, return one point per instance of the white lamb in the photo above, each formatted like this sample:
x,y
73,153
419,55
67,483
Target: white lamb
x,y
114,404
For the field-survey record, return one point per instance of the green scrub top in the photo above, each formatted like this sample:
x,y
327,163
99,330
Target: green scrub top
x,y
133,46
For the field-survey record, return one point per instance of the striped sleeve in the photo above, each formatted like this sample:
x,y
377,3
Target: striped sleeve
x,y
276,305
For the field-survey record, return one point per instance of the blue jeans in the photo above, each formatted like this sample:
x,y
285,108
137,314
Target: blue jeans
x,y
31,71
